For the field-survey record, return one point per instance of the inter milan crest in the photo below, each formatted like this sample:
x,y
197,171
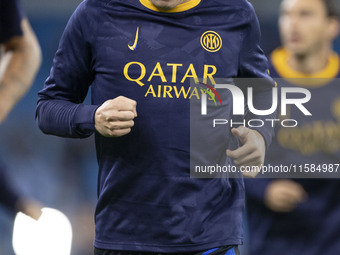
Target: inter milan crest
x,y
211,41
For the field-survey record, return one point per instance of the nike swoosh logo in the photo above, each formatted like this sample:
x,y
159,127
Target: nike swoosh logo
x,y
134,46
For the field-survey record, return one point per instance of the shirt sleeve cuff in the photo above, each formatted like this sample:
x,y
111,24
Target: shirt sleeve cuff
x,y
84,119
267,134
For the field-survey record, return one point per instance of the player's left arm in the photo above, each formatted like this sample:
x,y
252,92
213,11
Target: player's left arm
x,y
253,64
18,67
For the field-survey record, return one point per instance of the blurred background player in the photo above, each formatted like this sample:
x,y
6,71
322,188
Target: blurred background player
x,y
13,200
301,216
20,59
19,62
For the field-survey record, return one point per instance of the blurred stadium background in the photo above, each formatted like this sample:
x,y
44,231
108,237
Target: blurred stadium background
x,y
62,173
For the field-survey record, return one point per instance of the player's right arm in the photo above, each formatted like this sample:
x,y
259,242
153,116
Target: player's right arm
x,y
60,109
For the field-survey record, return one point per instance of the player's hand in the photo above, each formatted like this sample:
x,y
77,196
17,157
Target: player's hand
x,y
29,207
114,117
284,195
252,151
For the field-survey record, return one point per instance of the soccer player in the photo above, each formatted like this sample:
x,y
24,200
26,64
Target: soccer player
x,y
138,58
19,63
301,216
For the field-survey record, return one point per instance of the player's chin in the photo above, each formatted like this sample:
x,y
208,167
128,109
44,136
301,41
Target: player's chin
x,y
297,48
165,4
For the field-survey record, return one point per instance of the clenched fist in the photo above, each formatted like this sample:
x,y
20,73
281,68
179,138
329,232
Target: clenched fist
x,y
114,117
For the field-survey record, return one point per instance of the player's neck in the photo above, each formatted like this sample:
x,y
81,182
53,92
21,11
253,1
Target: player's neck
x,y
311,63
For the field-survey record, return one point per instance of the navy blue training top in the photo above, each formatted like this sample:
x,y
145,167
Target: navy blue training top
x,y
146,198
